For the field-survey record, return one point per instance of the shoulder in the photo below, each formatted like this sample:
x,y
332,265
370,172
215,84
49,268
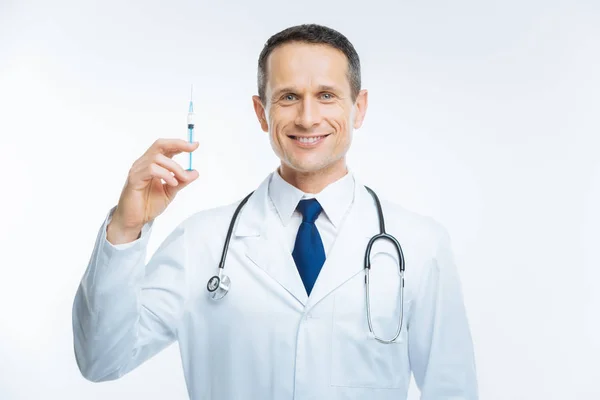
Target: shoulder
x,y
422,231
423,223
212,221
426,240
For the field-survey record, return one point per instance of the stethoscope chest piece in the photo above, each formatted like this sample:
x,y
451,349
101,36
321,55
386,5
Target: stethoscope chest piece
x,y
218,286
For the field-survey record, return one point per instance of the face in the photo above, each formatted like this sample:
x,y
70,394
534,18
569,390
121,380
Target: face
x,y
309,113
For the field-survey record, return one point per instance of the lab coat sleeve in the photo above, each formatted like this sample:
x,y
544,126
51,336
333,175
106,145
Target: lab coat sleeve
x,y
125,311
440,344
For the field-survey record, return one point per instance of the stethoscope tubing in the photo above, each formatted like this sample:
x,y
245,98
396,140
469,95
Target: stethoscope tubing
x,y
219,285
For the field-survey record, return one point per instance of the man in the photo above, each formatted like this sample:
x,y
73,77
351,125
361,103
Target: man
x,y
295,323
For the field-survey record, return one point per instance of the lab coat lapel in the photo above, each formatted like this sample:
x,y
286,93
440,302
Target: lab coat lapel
x,y
263,236
346,257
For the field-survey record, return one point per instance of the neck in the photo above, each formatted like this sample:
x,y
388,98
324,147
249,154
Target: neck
x,y
313,182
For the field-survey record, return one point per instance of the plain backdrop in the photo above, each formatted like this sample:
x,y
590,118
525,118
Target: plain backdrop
x,y
483,115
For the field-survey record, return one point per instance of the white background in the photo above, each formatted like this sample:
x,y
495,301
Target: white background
x,y
484,115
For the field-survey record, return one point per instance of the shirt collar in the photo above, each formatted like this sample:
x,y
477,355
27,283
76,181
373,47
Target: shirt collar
x,y
335,199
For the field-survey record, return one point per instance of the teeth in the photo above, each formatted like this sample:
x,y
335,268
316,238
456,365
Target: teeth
x,y
309,140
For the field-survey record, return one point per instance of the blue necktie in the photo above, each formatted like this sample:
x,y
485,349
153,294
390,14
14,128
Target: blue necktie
x,y
308,253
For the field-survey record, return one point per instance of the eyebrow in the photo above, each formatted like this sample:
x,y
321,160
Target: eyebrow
x,y
293,89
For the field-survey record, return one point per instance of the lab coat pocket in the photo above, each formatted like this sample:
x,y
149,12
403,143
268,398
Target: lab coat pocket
x,y
358,359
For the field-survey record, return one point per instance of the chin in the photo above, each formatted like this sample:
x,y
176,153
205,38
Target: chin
x,y
309,166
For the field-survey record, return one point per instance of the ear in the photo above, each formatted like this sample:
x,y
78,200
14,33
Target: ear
x,y
361,103
259,109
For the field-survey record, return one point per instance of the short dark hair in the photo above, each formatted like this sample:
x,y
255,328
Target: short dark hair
x,y
316,34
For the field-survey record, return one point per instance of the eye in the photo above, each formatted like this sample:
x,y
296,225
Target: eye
x,y
289,97
327,96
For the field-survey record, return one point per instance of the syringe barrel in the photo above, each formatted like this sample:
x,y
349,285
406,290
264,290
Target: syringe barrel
x,y
190,119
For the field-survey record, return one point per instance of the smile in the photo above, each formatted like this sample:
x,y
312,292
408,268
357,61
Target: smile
x,y
308,141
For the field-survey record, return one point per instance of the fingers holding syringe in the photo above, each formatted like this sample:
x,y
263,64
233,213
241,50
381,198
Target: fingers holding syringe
x,y
151,171
157,163
172,166
171,147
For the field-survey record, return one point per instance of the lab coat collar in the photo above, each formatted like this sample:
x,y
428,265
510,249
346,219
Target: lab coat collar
x,y
263,235
334,199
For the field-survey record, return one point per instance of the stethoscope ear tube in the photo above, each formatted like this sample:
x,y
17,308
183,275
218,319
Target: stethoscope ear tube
x,y
401,267
368,304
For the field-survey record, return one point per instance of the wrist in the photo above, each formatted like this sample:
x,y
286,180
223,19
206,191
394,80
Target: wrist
x,y
118,234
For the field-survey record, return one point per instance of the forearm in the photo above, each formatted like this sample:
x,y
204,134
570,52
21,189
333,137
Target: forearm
x,y
106,309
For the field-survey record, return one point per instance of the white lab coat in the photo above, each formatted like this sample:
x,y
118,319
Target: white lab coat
x,y
266,339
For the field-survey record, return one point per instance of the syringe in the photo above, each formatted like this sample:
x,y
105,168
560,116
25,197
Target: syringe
x,y
190,124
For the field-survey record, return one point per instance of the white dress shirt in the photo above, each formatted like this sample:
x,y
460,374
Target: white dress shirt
x,y
335,200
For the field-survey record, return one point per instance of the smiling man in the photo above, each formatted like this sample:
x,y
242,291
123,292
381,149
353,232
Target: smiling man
x,y
303,307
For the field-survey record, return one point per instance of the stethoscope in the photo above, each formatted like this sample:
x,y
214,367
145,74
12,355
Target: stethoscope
x,y
219,285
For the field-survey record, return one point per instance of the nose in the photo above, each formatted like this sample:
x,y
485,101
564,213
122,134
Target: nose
x,y
309,114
